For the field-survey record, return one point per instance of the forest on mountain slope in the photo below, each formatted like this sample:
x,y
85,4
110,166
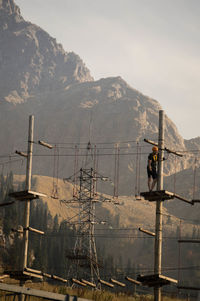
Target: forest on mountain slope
x,y
49,252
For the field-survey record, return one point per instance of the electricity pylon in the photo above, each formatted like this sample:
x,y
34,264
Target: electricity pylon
x,y
85,248
84,253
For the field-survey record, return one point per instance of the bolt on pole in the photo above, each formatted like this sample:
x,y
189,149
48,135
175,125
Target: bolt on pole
x,y
158,230
28,187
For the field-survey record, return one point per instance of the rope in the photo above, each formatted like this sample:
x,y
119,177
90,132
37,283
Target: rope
x,y
55,173
194,182
75,190
136,173
9,165
116,172
138,169
90,125
175,165
2,169
179,252
96,164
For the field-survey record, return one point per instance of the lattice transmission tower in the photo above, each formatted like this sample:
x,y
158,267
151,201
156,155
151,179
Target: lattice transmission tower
x,y
85,248
84,254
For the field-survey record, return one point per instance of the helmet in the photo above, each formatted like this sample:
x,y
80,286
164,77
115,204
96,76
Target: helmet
x,y
154,148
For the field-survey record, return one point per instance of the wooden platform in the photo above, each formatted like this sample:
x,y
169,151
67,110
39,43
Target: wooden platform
x,y
195,201
106,283
182,287
162,195
156,280
88,283
133,280
192,241
6,204
78,282
26,195
23,275
117,282
29,274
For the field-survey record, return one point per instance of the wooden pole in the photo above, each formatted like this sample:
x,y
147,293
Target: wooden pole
x,y
158,232
28,187
27,202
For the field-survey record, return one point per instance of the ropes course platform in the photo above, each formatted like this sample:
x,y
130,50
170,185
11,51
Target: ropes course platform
x,y
23,275
156,280
195,201
26,195
78,282
182,287
29,274
6,204
162,195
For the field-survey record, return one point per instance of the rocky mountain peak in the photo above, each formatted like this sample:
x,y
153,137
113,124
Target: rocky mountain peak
x,y
31,61
9,8
64,98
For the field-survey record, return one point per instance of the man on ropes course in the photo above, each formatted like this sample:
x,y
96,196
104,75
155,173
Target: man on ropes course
x,y
152,168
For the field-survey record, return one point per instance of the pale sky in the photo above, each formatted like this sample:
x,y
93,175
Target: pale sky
x,y
154,45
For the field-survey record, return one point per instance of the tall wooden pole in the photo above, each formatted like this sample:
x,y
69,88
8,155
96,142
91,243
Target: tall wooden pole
x,y
158,232
28,187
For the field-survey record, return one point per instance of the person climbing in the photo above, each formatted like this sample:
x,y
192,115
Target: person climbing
x,y
152,170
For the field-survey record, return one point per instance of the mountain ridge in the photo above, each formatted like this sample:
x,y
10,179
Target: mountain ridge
x,y
38,77
99,124
31,60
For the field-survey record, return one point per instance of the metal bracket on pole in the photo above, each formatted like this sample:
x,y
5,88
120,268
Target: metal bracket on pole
x,y
146,232
165,148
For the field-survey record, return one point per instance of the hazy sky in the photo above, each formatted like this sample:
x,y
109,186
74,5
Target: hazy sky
x,y
154,45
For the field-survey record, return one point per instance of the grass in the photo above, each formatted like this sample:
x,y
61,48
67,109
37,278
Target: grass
x,y
95,295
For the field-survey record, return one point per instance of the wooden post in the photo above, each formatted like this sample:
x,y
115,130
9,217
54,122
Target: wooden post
x,y
158,232
27,202
28,187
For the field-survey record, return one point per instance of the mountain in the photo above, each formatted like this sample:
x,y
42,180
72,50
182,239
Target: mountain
x,y
38,77
86,120
31,60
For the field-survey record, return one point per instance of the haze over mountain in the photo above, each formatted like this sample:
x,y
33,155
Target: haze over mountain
x,y
37,76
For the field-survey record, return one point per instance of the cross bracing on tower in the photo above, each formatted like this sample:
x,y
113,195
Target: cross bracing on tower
x,y
84,253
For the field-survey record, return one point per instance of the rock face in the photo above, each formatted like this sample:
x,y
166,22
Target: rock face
x,y
38,77
31,61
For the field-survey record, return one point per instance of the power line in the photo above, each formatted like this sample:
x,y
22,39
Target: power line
x,y
83,155
11,161
114,236
99,154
